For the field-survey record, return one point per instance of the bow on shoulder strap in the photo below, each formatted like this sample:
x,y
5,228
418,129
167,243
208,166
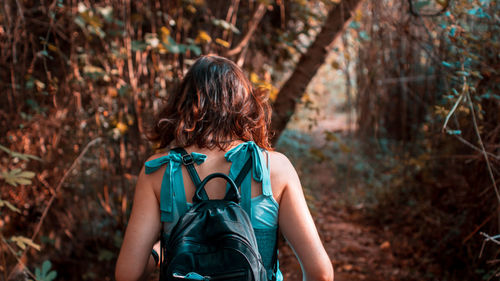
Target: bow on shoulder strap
x,y
172,182
239,156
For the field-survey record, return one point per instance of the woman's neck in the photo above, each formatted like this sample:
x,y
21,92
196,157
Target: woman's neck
x,y
205,150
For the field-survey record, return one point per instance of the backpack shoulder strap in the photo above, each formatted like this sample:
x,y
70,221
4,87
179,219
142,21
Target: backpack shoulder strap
x,y
244,172
188,161
246,191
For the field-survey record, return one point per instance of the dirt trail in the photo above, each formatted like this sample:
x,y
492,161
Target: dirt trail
x,y
358,252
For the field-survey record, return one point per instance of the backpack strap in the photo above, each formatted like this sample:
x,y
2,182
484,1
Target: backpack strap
x,y
244,172
188,161
246,193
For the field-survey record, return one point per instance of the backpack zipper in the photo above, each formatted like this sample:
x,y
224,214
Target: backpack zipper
x,y
190,276
228,275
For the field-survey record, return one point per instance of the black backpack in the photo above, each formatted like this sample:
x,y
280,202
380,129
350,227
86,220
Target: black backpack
x,y
215,239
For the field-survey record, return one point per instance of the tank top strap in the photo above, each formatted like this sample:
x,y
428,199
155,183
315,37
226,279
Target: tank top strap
x,y
266,181
260,173
172,185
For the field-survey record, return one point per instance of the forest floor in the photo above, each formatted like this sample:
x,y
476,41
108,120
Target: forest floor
x,y
358,251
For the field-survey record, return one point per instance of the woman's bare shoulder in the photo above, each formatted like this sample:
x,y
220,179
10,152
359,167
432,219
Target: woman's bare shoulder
x,y
153,176
279,160
280,166
157,155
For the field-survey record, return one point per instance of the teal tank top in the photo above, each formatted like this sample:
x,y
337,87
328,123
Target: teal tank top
x,y
263,208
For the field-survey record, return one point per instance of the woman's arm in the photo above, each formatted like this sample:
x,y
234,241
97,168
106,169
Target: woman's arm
x,y
297,225
135,261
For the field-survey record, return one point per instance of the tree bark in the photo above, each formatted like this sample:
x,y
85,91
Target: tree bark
x,y
308,65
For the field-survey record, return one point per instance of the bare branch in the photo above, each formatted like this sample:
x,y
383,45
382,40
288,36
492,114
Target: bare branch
x,y
483,149
254,22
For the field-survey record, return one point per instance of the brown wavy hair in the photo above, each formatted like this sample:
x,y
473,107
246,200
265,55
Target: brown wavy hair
x,y
214,105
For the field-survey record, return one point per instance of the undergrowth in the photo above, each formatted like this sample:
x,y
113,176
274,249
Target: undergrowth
x,y
425,199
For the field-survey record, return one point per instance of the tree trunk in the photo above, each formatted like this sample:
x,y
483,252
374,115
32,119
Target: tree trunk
x,y
308,65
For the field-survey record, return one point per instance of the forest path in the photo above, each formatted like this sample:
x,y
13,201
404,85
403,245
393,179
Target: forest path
x,y
358,251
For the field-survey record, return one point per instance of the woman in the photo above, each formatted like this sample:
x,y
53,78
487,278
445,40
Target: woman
x,y
218,115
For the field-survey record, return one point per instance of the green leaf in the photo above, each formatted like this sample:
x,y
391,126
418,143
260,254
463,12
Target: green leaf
x,y
44,273
476,74
17,176
51,276
80,22
19,155
22,242
105,255
139,46
195,49
27,174
46,267
454,132
124,90
478,12
23,181
5,149
364,36
97,31
463,73
33,104
30,83
25,156
354,25
9,205
106,12
46,54
175,48
225,25
447,64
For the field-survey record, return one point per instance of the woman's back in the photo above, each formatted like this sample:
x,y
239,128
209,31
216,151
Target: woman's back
x,y
217,163
256,189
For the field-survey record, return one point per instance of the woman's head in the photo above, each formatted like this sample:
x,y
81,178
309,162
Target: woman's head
x,y
214,105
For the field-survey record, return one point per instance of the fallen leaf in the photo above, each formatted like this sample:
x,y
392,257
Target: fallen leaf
x,y
385,245
347,267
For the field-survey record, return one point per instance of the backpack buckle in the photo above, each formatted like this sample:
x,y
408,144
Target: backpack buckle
x,y
187,159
